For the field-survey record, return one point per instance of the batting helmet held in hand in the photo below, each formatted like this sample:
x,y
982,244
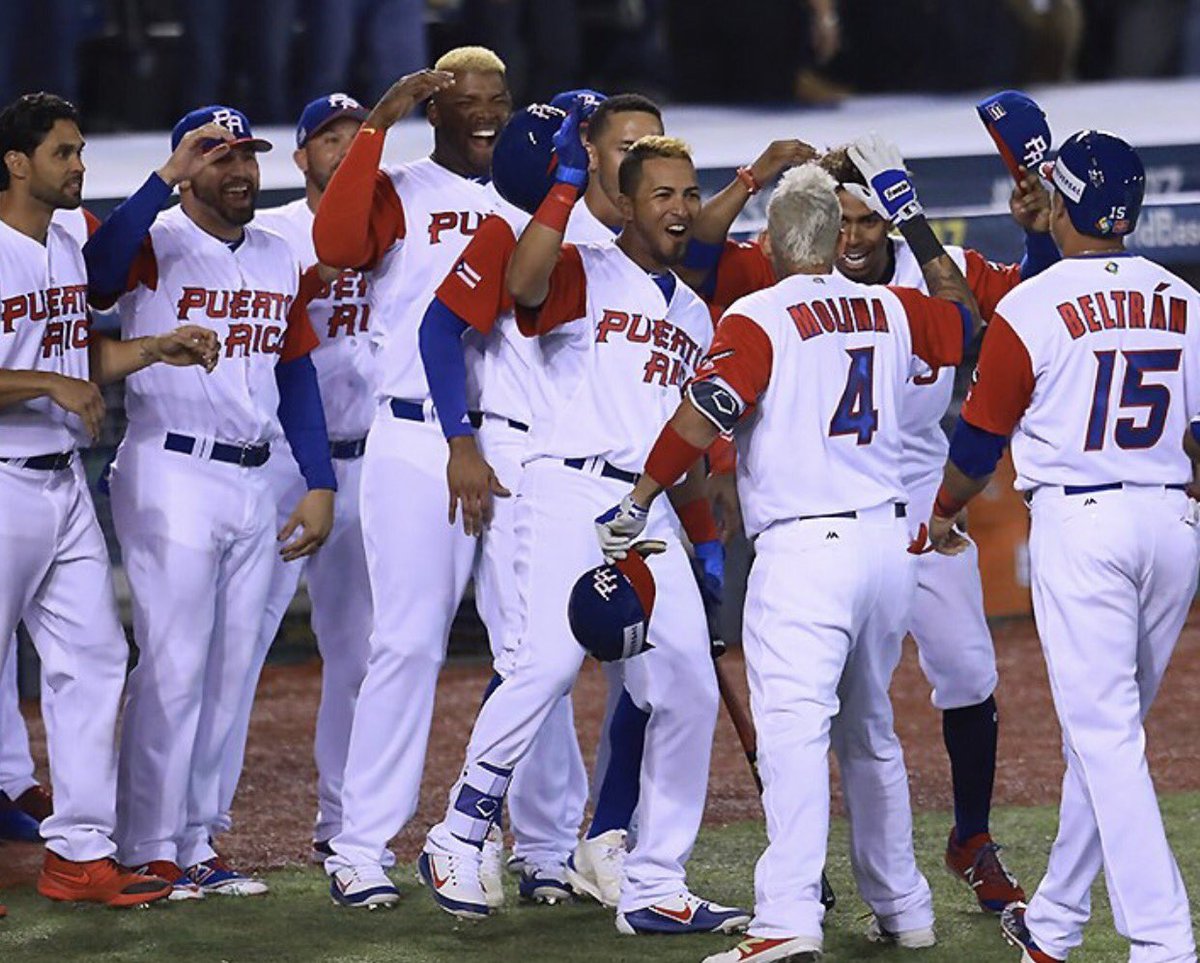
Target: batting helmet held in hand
x,y
523,161
589,99
1018,126
609,608
1102,183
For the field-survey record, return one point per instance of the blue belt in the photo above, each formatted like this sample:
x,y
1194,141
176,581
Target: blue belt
x,y
247,456
606,470
1107,487
348,450
476,419
55,462
408,410
901,512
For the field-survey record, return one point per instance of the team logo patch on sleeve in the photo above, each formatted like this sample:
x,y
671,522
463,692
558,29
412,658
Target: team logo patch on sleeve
x,y
467,274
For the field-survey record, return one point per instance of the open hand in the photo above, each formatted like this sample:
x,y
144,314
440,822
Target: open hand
x,y
472,484
195,152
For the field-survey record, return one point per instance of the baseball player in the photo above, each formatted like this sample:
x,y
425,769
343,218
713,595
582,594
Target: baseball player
x,y
947,619
1093,369
809,377
192,507
337,575
56,575
404,227
617,337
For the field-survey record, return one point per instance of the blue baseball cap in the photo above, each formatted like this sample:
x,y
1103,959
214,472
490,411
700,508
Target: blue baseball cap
x,y
1018,126
323,111
232,119
1102,182
587,98
523,160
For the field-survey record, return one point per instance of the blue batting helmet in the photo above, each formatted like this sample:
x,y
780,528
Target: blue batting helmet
x,y
523,161
609,608
1019,129
1102,182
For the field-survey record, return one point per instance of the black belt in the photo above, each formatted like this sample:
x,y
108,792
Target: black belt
x,y
476,419
247,456
606,470
55,462
408,410
348,450
901,512
1089,489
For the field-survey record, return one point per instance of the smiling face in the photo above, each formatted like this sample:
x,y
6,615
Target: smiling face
x,y
467,118
227,189
325,150
863,245
660,210
56,167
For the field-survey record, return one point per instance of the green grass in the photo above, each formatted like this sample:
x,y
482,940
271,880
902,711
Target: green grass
x,y
298,922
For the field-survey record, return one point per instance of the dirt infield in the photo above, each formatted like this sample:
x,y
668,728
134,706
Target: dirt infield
x,y
273,813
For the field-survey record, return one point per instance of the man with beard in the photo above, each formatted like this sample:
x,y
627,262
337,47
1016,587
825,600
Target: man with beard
x,y
55,575
337,575
601,386
192,506
404,227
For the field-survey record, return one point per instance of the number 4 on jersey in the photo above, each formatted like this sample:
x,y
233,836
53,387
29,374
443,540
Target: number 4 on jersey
x,y
856,413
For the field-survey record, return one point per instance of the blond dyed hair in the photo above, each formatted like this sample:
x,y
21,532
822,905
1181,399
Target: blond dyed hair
x,y
804,218
650,147
465,60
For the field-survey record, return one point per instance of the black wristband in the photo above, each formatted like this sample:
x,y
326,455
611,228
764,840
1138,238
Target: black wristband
x,y
921,239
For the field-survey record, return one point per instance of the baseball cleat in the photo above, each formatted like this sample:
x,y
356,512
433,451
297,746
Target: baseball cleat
x,y
1012,925
36,801
321,851
515,864
918,939
182,886
98,881
489,868
363,886
17,826
545,884
977,863
597,867
828,896
454,882
754,949
685,913
215,877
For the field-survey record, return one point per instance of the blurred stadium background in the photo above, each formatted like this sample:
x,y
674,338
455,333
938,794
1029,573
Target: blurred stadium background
x,y
734,75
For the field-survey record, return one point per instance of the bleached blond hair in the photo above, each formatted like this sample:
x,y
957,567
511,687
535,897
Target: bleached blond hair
x,y
464,60
643,149
804,218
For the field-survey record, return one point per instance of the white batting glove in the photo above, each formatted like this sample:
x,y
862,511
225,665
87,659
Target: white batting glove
x,y
891,193
619,527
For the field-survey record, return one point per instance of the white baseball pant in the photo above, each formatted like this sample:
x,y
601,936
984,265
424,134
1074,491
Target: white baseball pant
x,y
1113,577
57,578
16,762
675,682
827,605
198,539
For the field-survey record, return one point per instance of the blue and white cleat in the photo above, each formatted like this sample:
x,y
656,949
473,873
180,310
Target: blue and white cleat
x,y
17,826
918,939
685,913
545,884
455,884
366,887
215,877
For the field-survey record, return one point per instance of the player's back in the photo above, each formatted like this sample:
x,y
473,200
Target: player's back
x,y
825,435
1115,368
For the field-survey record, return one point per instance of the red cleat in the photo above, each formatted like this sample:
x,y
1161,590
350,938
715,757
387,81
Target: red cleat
x,y
977,863
97,881
37,802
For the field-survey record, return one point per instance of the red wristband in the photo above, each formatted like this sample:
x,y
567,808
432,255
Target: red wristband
x,y
555,209
746,176
697,520
670,457
947,506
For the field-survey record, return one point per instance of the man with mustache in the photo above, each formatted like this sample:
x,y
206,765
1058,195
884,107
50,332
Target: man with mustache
x,y
193,508
56,575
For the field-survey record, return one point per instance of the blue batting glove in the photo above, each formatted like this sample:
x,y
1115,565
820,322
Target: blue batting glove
x,y
891,193
709,564
568,147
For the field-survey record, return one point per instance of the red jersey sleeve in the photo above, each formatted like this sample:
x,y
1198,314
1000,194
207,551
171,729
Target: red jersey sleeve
x,y
299,339
741,356
566,301
743,269
475,289
91,220
989,282
1004,381
360,215
938,327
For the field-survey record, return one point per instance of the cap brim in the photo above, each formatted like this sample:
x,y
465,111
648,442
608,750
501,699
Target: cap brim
x,y
260,146
355,113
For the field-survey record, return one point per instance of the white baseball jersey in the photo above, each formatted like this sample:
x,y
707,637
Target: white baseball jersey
x,y
1094,364
340,315
442,211
248,295
44,327
614,353
818,365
